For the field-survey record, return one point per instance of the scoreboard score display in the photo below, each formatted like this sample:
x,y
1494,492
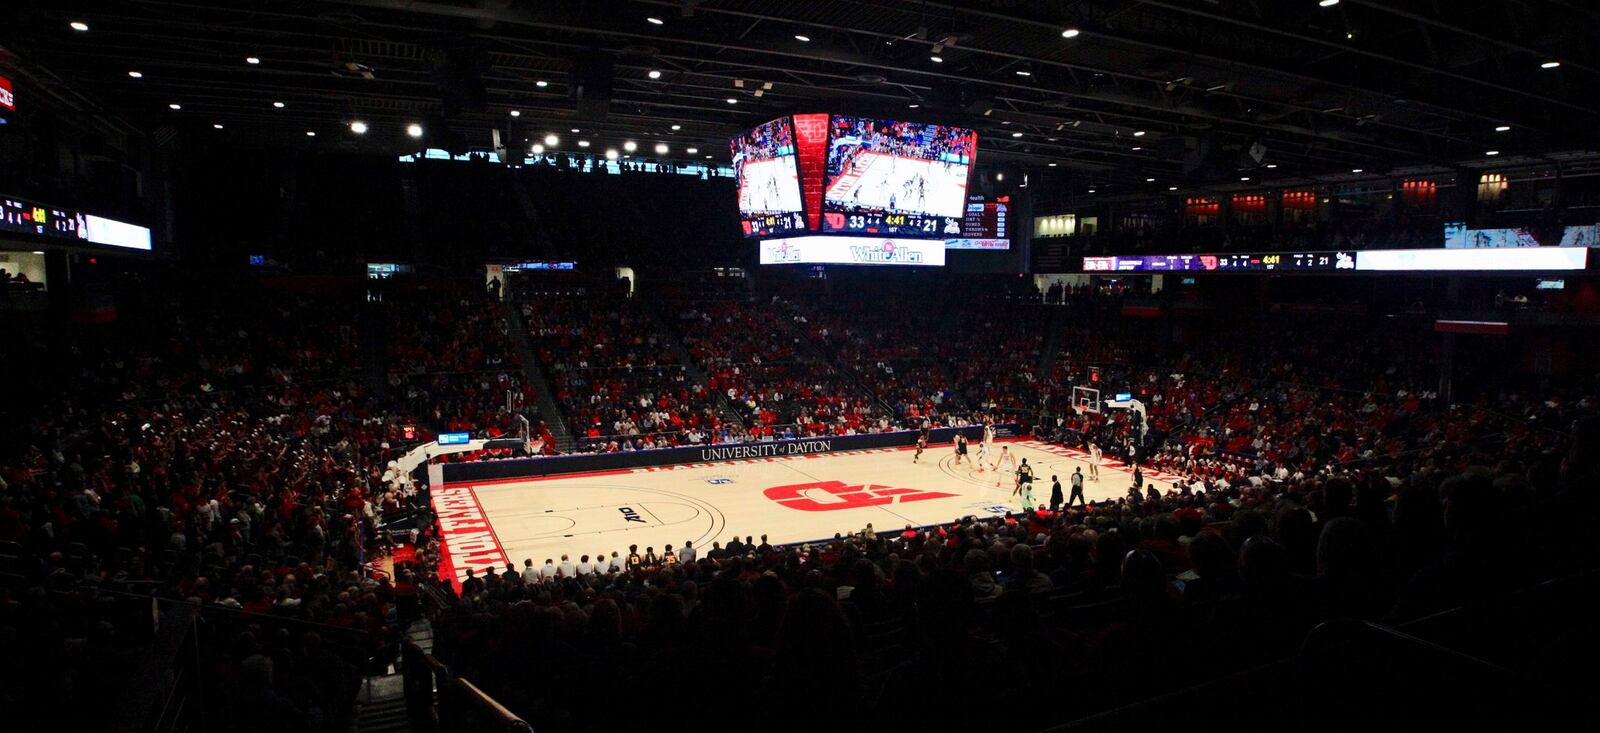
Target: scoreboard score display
x,y
1254,262
984,224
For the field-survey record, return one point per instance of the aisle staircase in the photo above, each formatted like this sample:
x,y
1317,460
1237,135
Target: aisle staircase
x,y
381,703
549,410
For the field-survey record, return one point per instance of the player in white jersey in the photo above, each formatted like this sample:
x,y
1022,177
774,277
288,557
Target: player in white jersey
x,y
988,434
983,455
1005,458
1094,462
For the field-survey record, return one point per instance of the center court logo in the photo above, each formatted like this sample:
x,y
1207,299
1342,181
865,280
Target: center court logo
x,y
827,496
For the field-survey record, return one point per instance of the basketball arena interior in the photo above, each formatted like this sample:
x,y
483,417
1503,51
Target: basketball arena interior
x,y
571,366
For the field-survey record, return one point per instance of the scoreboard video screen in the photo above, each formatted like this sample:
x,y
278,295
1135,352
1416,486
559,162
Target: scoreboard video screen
x,y
1263,262
768,179
896,178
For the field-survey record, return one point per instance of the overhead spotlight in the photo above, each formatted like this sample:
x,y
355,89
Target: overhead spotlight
x,y
661,148
677,127
216,126
174,106
1172,188
541,83
277,105
654,74
1138,133
516,113
611,153
1492,152
414,130
136,75
655,21
999,176
731,100
1272,165
936,59
1348,35
574,130
802,38
79,25
1016,134
1503,128
1357,170
630,146
1070,33
1149,180
583,143
311,133
551,140
1024,72
1091,190
1550,65
692,151
252,60
1328,3
537,149
914,105
1244,178
708,157
1137,148
358,127
1052,164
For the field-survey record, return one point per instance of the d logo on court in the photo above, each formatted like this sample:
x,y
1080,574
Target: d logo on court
x,y
828,496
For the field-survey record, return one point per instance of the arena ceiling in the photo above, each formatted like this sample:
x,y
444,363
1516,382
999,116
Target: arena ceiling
x,y
1180,91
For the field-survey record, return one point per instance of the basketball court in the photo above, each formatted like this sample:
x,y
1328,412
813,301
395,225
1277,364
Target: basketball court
x,y
883,181
770,186
789,499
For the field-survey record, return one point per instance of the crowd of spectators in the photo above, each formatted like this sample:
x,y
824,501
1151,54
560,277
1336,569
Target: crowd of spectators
x,y
616,377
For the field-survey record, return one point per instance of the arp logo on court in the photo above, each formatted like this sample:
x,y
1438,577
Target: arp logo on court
x,y
719,480
827,496
632,515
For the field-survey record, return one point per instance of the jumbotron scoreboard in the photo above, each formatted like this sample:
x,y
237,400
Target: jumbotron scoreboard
x,y
823,188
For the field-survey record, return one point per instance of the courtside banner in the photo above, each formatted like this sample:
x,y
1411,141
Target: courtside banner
x,y
466,473
852,251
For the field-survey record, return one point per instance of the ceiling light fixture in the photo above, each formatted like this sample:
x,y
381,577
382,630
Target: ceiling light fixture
x,y
1244,178
252,60
575,130
802,38
311,133
541,83
136,75
216,126
1138,133
914,105
655,21
936,59
1357,170
1503,128
692,151
537,149
1016,134
677,127
1149,180
1024,72
79,25
358,127
277,105
611,153
1550,65
174,106
1272,165
516,113
654,74
583,143
1328,3
1492,152
414,130
1070,33
661,149
731,100
551,140
1172,188
630,146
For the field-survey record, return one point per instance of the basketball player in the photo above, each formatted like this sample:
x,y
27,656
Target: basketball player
x,y
1005,458
1094,462
634,560
988,433
961,448
1024,484
922,444
983,454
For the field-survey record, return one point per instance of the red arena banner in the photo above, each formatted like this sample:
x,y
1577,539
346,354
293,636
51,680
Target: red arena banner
x,y
8,99
811,140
